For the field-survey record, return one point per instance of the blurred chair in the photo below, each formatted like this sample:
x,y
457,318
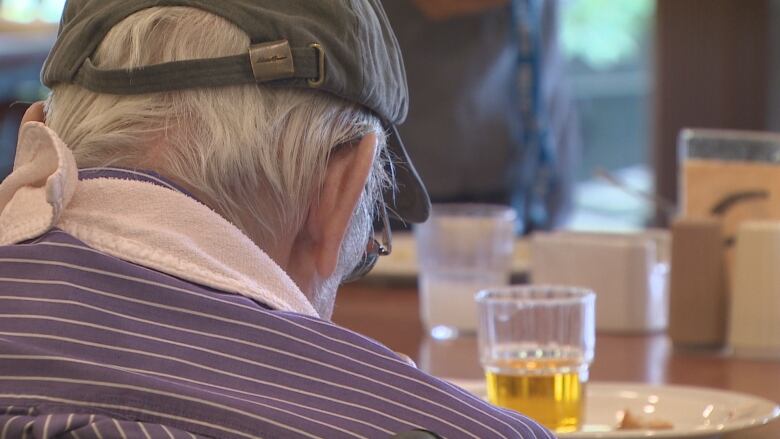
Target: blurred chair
x,y
23,48
10,116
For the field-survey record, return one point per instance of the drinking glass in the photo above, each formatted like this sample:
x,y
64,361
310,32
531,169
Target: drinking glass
x,y
536,344
462,249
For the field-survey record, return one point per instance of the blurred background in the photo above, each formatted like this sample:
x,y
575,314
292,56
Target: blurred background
x,y
628,74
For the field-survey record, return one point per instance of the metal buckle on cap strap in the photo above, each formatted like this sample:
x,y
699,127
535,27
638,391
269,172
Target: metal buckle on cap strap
x,y
272,61
314,83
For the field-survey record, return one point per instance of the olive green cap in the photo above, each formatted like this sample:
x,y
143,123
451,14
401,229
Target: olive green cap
x,y
343,47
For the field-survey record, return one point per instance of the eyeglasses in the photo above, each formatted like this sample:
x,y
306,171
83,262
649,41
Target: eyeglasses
x,y
374,250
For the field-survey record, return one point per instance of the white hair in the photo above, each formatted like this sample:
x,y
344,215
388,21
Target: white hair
x,y
248,148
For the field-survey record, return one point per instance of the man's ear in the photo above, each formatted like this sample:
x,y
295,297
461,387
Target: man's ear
x,y
330,214
33,114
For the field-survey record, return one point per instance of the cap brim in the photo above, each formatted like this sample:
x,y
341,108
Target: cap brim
x,y
410,202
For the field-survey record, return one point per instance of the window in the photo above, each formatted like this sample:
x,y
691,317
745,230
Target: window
x,y
28,11
607,48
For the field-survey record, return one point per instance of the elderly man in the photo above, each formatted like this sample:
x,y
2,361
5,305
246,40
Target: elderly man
x,y
180,214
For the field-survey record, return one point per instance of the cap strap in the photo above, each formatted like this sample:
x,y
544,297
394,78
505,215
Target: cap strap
x,y
178,75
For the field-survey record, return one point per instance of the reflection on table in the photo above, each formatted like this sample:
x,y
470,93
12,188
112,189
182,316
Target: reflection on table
x,y
390,315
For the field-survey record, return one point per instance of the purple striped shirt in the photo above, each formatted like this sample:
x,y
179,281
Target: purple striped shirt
x,y
95,346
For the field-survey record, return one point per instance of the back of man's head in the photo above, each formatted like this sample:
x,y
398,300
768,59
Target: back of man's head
x,y
255,153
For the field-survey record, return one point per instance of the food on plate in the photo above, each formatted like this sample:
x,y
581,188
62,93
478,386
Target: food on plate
x,y
631,421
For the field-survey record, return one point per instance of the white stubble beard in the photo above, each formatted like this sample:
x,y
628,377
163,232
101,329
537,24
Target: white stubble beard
x,y
351,253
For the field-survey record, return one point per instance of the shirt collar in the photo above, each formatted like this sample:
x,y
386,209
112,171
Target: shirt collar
x,y
146,176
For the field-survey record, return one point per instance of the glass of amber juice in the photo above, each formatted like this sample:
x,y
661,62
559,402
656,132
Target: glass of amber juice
x,y
536,344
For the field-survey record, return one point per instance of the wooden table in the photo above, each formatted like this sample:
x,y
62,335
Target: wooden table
x,y
390,315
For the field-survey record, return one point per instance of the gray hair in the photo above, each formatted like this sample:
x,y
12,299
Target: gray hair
x,y
249,148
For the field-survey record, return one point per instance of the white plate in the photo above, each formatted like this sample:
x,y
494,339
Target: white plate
x,y
402,262
695,412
